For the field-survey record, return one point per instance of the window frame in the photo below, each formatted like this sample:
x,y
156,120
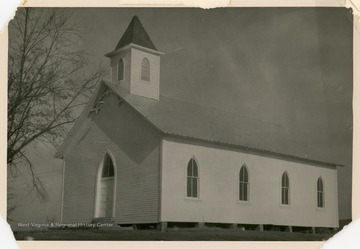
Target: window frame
x,y
114,73
244,182
192,178
285,190
123,70
321,192
148,70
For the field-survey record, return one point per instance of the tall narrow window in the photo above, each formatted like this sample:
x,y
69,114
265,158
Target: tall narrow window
x,y
243,184
285,189
192,179
120,71
113,73
145,70
320,193
108,169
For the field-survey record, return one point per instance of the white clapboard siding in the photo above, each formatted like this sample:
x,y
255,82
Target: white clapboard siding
x,y
135,146
218,199
143,88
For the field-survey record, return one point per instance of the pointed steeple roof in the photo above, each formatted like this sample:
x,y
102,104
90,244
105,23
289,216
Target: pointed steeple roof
x,y
136,34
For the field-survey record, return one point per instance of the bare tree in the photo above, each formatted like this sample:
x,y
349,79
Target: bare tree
x,y
48,80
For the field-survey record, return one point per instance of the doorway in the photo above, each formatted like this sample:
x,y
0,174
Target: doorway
x,y
105,193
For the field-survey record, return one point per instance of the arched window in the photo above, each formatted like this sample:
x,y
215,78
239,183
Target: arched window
x,y
108,168
145,70
120,71
285,189
113,72
243,184
192,179
320,193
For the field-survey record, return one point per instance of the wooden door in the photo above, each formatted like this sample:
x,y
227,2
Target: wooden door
x,y
106,197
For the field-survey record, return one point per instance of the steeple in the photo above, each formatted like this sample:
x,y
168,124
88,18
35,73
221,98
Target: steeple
x,y
135,34
135,62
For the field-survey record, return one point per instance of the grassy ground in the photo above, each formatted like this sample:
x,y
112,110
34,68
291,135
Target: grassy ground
x,y
184,234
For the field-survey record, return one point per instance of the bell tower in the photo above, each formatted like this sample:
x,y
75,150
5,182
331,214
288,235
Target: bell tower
x,y
135,62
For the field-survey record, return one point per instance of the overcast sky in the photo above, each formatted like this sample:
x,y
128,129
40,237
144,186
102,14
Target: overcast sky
x,y
287,66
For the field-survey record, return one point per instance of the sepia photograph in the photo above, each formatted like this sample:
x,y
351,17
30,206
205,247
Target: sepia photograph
x,y
180,124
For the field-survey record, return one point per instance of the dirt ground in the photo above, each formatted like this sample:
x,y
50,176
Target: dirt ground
x,y
189,234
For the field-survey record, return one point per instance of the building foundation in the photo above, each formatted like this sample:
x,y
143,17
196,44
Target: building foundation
x,y
162,226
260,227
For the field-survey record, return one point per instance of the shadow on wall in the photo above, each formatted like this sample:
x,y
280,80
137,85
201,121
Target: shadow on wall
x,y
127,129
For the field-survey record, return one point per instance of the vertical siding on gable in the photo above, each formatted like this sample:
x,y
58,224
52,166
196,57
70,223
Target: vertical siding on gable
x,y
219,175
136,148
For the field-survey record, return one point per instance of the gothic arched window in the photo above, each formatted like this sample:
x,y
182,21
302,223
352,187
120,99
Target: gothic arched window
x,y
120,70
285,189
243,184
320,193
192,179
145,70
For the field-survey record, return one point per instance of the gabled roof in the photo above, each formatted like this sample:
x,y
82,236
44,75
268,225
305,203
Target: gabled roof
x,y
191,121
235,65
136,34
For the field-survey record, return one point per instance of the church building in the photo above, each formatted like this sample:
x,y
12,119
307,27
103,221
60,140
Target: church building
x,y
137,157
